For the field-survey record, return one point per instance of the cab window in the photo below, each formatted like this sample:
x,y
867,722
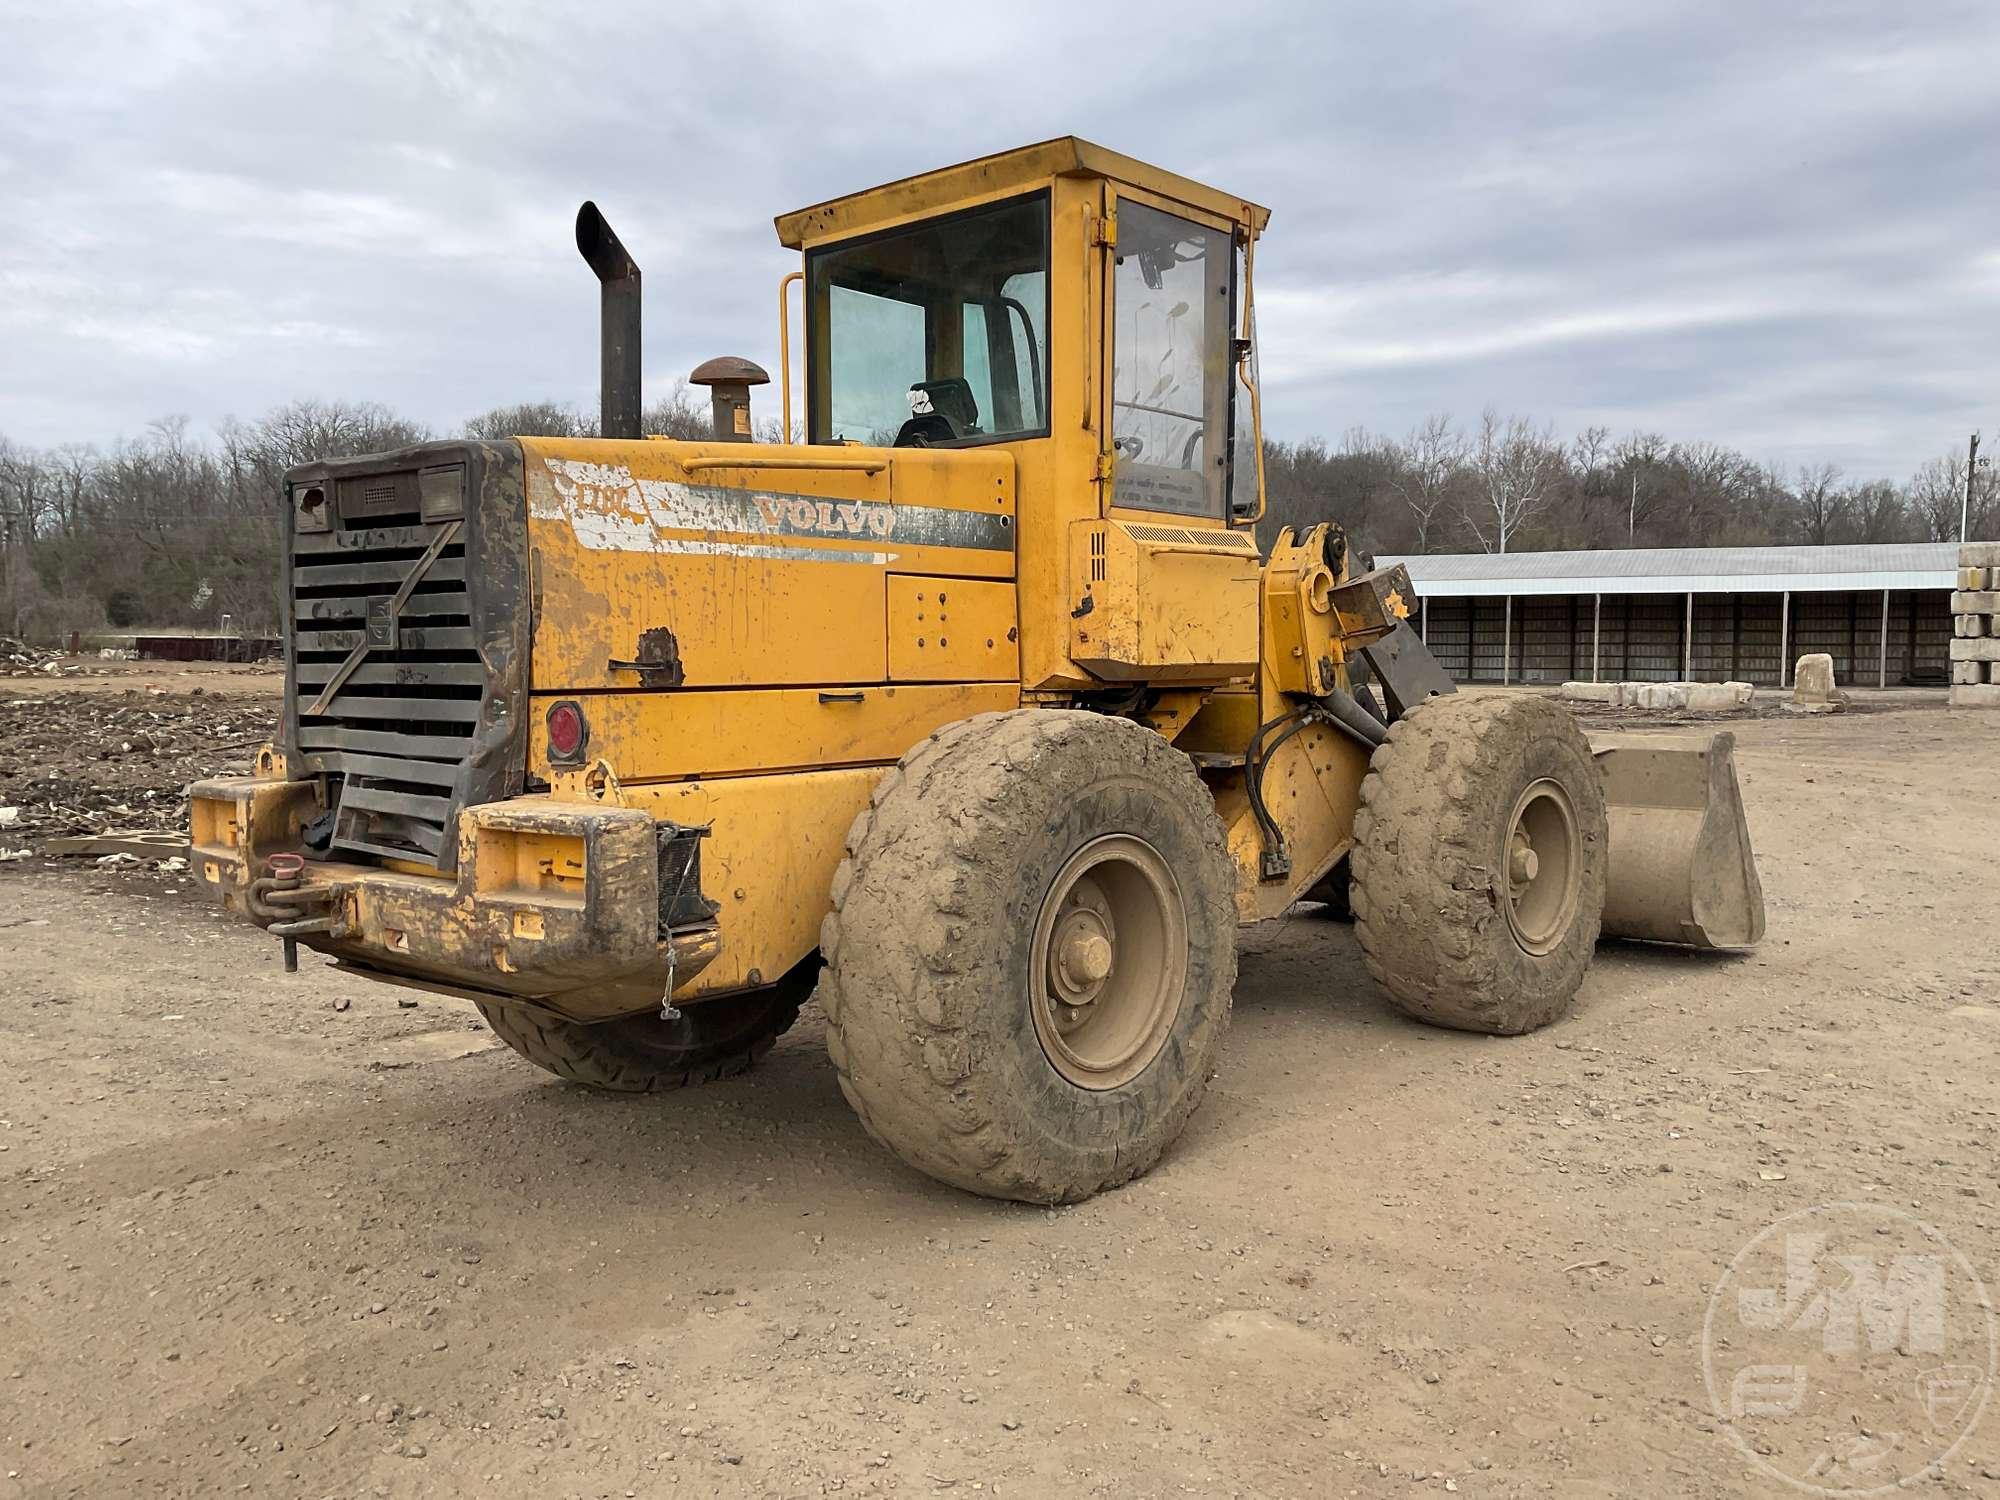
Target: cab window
x,y
935,335
1172,299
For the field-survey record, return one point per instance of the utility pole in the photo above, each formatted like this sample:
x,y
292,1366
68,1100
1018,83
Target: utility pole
x,y
1965,504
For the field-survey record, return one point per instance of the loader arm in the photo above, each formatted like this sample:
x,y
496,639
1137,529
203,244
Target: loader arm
x,y
1681,868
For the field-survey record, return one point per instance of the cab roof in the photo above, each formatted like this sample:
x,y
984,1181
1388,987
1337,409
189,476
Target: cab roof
x,y
1023,168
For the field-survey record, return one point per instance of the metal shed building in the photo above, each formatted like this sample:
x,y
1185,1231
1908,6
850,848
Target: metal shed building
x,y
1706,614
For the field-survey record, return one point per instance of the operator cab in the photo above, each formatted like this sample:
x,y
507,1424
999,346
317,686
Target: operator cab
x,y
1057,291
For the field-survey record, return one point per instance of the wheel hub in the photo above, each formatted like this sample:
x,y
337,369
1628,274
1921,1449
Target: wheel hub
x,y
1109,961
1525,864
1544,863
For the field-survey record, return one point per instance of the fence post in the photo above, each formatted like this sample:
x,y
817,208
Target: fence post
x,y
1785,639
1882,676
1596,631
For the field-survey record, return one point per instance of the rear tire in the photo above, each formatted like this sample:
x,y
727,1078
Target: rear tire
x,y
1479,861
646,1055
1030,954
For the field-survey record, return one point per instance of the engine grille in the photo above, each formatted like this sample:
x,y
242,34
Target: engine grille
x,y
397,730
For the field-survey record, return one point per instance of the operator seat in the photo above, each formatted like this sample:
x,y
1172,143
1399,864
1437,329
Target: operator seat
x,y
952,413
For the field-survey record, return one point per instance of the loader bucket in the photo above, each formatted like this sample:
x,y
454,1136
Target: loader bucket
x,y
1681,867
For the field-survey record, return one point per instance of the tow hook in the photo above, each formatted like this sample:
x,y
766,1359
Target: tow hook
x,y
281,900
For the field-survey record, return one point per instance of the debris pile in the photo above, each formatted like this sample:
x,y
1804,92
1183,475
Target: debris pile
x,y
94,764
19,659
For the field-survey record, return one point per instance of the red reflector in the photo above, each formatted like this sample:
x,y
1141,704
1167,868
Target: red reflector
x,y
566,731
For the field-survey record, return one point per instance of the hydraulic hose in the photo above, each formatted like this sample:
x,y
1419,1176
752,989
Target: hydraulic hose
x,y
1347,715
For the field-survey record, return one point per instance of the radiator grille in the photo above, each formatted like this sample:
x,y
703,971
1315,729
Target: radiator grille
x,y
399,727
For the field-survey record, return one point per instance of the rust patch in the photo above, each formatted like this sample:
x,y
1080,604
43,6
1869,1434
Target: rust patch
x,y
657,661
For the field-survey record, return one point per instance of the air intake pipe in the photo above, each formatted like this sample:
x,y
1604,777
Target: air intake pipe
x,y
618,340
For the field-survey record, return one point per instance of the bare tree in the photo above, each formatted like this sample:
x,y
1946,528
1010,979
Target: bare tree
x,y
1430,463
1937,498
1515,463
1706,485
1820,502
679,414
1877,512
72,468
305,431
532,419
1634,460
1590,453
23,496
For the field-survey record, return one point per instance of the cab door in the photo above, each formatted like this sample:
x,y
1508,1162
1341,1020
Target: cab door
x,y
1170,307
1166,591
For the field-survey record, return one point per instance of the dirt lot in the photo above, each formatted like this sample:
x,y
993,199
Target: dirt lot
x,y
252,1241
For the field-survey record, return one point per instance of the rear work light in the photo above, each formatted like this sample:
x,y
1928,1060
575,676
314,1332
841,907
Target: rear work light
x,y
568,733
309,508
441,493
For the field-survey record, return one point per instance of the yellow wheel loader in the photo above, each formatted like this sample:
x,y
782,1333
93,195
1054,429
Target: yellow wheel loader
x,y
972,705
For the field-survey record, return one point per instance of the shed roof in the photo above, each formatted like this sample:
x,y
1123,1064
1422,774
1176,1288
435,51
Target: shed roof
x,y
1685,570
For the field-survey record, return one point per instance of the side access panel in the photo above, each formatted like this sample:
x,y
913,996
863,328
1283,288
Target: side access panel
x,y
952,630
1156,603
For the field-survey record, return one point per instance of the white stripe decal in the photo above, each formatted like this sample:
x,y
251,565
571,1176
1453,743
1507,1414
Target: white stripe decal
x,y
685,545
611,511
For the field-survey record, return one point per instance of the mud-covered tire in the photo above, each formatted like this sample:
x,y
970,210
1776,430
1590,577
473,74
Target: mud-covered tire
x,y
930,952
1431,862
646,1055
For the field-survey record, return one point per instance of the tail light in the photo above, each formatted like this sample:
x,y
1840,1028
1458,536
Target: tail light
x,y
568,733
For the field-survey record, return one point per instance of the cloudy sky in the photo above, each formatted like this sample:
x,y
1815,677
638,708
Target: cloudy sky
x,y
1771,224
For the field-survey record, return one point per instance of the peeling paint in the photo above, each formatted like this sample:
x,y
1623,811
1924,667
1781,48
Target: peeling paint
x,y
611,510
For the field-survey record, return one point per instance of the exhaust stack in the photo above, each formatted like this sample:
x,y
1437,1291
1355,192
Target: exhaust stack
x,y
619,404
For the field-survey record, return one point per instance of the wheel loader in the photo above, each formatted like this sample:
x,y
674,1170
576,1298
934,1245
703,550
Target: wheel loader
x,y
972,707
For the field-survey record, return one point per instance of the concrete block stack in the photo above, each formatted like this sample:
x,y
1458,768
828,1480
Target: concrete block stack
x,y
1670,697
1975,627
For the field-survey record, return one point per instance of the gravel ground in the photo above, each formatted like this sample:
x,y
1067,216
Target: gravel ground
x,y
252,1241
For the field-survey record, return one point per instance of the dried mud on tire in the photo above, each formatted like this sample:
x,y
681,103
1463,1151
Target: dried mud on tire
x,y
926,987
1429,862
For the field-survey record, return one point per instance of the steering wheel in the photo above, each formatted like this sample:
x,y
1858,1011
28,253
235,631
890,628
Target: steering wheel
x,y
925,430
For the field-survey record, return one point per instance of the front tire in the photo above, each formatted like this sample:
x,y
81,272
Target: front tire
x,y
1479,859
1030,954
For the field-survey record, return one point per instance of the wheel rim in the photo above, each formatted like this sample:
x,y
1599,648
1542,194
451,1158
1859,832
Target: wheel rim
x,y
1543,866
1109,962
